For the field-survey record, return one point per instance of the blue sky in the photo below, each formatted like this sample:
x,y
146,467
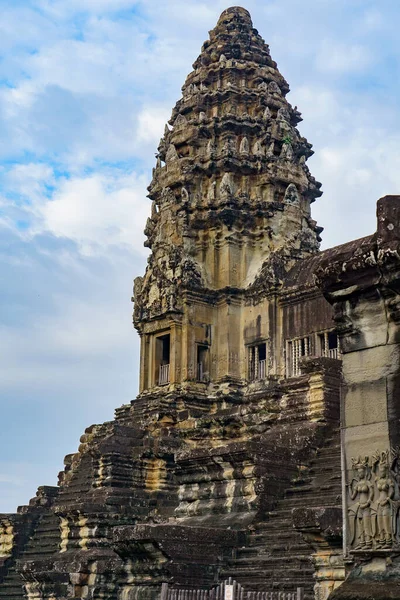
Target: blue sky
x,y
86,87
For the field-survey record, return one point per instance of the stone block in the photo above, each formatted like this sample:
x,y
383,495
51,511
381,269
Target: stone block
x,y
365,439
365,403
371,364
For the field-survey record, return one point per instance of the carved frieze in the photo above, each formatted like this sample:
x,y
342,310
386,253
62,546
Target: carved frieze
x,y
374,501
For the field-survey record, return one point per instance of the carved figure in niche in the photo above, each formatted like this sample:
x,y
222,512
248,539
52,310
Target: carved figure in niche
x,y
202,117
137,288
274,88
184,195
267,114
283,114
171,153
270,150
191,89
226,188
291,194
287,151
211,191
210,147
263,86
244,146
228,147
258,149
384,504
361,514
180,121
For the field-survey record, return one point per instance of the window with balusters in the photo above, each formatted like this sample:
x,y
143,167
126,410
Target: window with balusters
x,y
329,344
257,362
319,344
203,367
163,350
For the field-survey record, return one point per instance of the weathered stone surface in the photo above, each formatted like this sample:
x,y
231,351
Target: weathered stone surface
x,y
364,291
228,461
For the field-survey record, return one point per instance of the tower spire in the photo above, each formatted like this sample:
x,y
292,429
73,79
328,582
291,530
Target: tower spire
x,y
231,190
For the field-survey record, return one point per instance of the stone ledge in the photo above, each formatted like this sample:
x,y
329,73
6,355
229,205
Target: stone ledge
x,y
326,520
159,533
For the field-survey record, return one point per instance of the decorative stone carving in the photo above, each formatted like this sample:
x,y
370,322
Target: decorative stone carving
x,y
291,194
362,491
270,149
373,517
263,86
287,151
385,486
211,190
227,187
273,88
229,147
267,114
244,146
184,194
283,114
258,149
180,122
171,154
191,89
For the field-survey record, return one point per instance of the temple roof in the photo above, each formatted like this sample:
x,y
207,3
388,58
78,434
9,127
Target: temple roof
x,y
302,275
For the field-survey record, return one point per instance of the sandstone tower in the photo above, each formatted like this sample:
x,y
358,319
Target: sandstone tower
x,y
231,199
228,461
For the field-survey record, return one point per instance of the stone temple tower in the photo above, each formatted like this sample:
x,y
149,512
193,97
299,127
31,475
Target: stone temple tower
x,y
231,196
227,463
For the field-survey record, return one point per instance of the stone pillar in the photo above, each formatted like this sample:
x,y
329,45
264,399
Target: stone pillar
x,y
363,285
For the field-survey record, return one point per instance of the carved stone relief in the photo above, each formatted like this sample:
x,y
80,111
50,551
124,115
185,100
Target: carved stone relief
x,y
374,505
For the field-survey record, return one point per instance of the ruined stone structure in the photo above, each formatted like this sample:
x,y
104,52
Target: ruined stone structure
x,y
228,462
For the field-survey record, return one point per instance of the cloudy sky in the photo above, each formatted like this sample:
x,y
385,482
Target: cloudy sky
x,y
86,87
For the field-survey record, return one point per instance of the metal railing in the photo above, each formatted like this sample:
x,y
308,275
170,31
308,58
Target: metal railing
x,y
163,376
228,590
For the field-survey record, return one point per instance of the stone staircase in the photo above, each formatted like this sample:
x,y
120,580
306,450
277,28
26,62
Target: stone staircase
x,y
42,544
277,557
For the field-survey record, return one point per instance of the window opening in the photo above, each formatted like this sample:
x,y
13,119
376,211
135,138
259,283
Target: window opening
x,y
203,369
329,344
258,362
298,349
163,351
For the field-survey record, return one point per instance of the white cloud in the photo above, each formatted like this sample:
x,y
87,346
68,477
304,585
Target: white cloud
x,y
98,212
29,180
151,123
337,57
60,8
